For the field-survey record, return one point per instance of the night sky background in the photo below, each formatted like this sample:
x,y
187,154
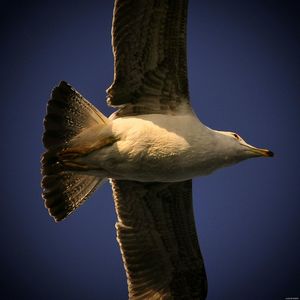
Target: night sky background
x,y
244,75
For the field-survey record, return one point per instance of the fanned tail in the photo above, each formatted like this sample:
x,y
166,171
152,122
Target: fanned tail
x,y
68,115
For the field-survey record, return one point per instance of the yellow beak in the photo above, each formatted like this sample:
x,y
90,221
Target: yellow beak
x,y
262,152
258,151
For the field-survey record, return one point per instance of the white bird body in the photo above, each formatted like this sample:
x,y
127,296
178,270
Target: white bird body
x,y
157,148
154,148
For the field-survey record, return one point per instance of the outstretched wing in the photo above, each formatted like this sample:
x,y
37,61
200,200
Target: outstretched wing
x,y
158,240
149,46
155,228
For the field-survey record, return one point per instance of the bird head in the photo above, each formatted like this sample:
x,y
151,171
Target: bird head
x,y
237,149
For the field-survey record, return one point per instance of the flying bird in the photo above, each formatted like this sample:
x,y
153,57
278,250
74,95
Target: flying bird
x,y
150,148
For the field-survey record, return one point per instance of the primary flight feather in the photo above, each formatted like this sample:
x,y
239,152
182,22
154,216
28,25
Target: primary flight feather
x,y
150,149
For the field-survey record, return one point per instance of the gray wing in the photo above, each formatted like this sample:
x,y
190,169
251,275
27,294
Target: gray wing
x,y
158,240
149,46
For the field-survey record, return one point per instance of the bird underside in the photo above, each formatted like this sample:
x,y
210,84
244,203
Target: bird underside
x,y
155,228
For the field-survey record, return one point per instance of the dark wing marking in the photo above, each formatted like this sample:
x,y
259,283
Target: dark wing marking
x,y
158,240
149,45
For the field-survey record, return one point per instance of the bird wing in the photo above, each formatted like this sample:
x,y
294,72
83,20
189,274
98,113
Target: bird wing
x,y
150,67
158,240
155,228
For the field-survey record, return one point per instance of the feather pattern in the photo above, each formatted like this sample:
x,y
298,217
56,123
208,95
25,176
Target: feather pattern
x,y
155,228
68,114
149,45
158,240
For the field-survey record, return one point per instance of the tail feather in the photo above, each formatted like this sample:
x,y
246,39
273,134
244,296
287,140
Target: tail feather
x,y
68,114
63,193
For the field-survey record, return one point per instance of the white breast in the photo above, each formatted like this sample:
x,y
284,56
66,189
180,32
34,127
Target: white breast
x,y
156,147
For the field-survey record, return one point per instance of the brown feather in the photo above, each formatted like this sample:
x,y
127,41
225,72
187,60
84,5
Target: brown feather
x,y
68,115
149,45
158,240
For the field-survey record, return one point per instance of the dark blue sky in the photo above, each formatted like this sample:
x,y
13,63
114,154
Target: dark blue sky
x,y
244,74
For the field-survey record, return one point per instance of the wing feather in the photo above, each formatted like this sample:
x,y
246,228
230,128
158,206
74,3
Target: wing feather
x,y
158,240
149,45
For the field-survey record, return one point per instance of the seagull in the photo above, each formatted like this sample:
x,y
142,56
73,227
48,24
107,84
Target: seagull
x,y
150,148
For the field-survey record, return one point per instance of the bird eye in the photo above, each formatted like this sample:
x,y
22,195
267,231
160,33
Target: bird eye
x,y
236,136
